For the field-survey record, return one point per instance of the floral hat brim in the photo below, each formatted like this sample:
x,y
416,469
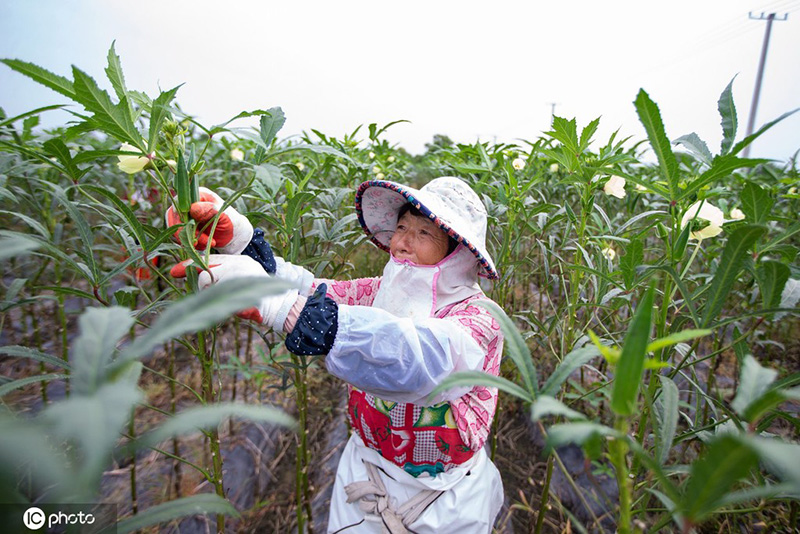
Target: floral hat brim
x,y
449,202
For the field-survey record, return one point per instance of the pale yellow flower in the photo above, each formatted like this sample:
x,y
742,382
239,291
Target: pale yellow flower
x,y
379,176
609,253
640,188
131,164
390,159
372,155
704,212
173,165
615,186
792,190
237,155
554,167
300,166
518,164
376,169
737,214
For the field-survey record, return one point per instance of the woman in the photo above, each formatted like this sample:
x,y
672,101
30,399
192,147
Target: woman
x,y
413,463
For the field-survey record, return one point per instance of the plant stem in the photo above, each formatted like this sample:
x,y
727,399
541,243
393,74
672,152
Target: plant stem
x,y
545,495
618,451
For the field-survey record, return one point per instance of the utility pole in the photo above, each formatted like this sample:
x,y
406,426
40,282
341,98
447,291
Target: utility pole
x,y
552,110
757,92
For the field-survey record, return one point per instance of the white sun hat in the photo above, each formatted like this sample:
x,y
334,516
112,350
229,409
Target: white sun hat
x,y
447,201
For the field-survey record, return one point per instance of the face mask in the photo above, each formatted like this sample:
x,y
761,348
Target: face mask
x,y
419,291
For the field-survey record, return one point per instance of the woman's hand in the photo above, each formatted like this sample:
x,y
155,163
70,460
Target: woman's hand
x,y
233,230
272,310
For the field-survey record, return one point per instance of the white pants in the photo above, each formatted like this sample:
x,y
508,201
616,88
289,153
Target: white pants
x,y
473,494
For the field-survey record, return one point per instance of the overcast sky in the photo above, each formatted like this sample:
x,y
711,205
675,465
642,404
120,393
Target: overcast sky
x,y
470,70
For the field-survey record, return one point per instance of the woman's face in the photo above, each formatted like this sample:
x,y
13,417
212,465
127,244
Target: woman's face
x,y
419,240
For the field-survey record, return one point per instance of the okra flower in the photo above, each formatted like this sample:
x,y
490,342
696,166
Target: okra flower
x,y
237,155
737,214
706,220
372,155
379,176
518,164
554,168
376,170
609,253
390,159
131,164
615,186
300,166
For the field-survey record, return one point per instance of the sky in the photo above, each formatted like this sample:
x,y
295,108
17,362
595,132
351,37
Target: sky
x,y
458,68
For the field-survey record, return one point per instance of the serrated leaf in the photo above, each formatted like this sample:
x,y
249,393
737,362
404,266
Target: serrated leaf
x,y
116,77
159,112
771,277
123,210
726,461
650,117
55,82
756,203
271,124
727,110
696,146
57,148
115,120
736,250
633,257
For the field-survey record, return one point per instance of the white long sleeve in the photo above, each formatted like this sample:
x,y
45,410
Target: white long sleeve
x,y
400,359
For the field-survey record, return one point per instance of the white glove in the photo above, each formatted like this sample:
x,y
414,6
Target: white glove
x,y
271,311
294,274
233,231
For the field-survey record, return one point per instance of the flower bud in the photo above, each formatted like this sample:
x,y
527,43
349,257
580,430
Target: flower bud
x,y
390,159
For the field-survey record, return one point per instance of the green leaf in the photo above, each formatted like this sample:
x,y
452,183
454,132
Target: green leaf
x,y
32,354
771,277
479,378
721,167
182,193
158,113
37,111
727,110
94,422
577,433
756,203
754,381
115,120
587,133
572,361
57,148
566,132
667,415
515,347
780,238
13,246
202,504
650,117
731,262
202,310
270,124
546,405
749,139
779,457
210,416
25,444
55,82
115,76
22,382
100,330
628,375
726,461
696,146
633,257
677,337
124,211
